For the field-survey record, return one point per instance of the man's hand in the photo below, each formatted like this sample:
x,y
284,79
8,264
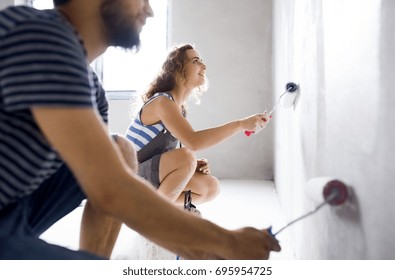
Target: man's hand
x,y
246,243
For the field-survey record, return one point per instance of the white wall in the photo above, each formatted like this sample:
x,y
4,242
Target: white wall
x,y
341,53
234,39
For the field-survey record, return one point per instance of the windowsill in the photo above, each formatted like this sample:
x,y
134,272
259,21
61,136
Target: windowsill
x,y
121,94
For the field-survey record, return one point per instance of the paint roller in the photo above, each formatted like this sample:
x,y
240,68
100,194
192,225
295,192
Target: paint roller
x,y
286,100
334,192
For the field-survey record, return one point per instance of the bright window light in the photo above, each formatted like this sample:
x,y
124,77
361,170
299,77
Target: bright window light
x,y
125,71
42,4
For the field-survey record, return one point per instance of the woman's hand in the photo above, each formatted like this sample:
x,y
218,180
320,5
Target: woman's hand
x,y
255,122
202,166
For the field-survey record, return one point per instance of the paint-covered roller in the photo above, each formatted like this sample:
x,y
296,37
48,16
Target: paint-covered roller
x,y
288,100
325,190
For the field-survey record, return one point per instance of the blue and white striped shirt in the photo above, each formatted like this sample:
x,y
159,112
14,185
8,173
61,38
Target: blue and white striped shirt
x,y
141,134
42,63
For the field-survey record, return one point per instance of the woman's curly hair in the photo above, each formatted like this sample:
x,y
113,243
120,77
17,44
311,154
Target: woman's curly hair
x,y
165,81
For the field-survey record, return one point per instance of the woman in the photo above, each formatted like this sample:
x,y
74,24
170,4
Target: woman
x,y
161,124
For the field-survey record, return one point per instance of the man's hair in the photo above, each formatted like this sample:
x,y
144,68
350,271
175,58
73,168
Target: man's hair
x,y
60,2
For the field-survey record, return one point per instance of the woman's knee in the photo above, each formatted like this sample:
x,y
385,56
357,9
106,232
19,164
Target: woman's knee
x,y
207,187
186,159
213,187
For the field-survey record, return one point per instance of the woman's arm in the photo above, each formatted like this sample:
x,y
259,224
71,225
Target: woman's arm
x,y
169,113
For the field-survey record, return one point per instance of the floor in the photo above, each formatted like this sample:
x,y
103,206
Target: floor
x,y
240,203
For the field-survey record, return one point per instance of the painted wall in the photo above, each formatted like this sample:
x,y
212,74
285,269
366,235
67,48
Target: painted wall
x,y
341,54
234,39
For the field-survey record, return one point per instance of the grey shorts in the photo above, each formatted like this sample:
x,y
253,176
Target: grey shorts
x,y
149,170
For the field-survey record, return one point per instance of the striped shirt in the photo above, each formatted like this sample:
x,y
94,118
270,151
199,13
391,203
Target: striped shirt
x,y
42,63
141,134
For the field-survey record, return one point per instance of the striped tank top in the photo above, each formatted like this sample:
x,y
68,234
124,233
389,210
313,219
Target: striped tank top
x,y
151,140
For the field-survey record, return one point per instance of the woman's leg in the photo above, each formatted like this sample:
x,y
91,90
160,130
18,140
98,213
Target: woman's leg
x,y
203,187
177,173
176,168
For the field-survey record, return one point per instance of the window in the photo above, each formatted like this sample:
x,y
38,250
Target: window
x,y
125,71
122,72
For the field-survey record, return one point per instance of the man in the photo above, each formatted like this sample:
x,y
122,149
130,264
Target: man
x,y
52,120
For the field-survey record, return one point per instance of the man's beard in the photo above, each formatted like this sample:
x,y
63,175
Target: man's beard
x,y
119,30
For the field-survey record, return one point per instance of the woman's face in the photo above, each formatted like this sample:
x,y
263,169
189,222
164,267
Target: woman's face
x,y
195,69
